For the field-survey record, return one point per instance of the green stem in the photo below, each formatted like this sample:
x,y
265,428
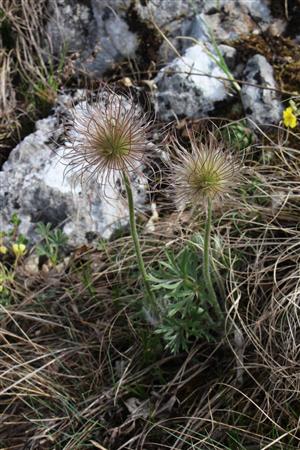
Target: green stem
x,y
137,247
206,263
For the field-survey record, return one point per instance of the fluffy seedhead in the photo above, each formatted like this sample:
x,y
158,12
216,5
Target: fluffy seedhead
x,y
107,137
206,172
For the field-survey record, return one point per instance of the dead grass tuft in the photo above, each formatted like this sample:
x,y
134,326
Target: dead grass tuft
x,y
29,75
9,123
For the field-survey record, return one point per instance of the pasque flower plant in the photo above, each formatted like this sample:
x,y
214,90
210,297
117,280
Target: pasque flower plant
x,y
110,139
206,173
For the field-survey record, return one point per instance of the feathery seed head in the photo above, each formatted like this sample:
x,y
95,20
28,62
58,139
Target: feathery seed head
x,y
109,135
208,171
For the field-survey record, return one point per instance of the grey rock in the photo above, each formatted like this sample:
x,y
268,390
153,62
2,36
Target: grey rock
x,y
188,85
164,12
36,186
68,25
199,29
114,42
97,31
261,105
257,9
230,19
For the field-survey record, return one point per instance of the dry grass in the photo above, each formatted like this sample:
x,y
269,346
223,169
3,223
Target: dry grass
x,y
80,369
8,119
29,75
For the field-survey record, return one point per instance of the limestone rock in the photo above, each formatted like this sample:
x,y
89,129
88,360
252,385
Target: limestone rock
x,y
189,86
230,19
261,105
97,31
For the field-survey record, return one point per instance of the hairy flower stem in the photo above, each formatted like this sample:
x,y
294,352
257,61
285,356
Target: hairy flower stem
x,y
137,247
206,263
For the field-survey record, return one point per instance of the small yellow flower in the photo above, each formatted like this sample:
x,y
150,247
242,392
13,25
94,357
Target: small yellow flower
x,y
3,249
289,118
19,249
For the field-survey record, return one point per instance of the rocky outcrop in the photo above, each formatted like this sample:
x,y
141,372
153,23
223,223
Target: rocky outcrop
x,y
101,33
